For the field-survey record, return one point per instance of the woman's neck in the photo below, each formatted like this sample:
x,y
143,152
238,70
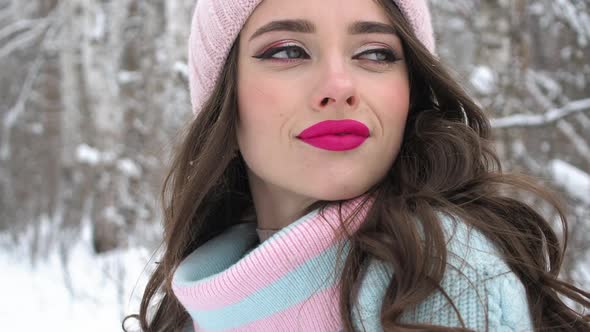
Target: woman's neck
x,y
264,234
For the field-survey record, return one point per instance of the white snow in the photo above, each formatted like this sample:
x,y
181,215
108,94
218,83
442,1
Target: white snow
x,y
483,79
181,68
575,181
87,154
113,216
129,168
456,23
126,77
80,292
99,30
36,128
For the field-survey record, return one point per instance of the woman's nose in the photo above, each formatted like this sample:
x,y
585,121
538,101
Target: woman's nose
x,y
335,89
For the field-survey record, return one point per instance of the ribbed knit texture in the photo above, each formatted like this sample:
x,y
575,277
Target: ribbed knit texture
x,y
289,282
216,24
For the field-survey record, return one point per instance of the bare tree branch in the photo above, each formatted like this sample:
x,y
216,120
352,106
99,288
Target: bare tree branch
x,y
584,120
24,39
532,120
18,26
578,141
544,99
12,115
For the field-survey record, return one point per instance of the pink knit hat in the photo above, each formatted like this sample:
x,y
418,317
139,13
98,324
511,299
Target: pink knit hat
x,y
216,24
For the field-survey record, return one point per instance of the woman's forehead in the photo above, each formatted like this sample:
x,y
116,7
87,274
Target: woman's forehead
x,y
313,15
309,27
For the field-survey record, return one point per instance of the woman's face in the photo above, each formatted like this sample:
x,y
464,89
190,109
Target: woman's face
x,y
329,60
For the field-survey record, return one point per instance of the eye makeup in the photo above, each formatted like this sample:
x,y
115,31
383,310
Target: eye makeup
x,y
293,53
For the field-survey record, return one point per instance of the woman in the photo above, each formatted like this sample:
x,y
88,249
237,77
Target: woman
x,y
336,177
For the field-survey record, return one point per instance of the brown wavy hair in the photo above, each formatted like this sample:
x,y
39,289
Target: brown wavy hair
x,y
446,163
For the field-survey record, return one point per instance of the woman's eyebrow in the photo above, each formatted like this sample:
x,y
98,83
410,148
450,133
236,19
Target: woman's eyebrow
x,y
305,26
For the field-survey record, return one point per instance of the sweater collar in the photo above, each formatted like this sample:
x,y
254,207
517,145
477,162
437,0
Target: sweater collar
x,y
234,283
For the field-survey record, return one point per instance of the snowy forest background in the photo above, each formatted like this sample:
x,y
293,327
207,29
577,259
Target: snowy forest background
x,y
93,93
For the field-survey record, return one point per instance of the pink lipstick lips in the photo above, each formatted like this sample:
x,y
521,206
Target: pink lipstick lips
x,y
335,135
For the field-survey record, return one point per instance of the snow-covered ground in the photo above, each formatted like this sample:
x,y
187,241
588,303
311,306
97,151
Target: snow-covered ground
x,y
85,292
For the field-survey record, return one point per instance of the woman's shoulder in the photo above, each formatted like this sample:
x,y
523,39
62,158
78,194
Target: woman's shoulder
x,y
477,280
469,249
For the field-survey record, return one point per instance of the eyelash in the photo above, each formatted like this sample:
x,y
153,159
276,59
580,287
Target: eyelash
x,y
391,57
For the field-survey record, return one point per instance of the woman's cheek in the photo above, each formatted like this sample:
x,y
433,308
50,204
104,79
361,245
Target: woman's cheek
x,y
398,104
262,111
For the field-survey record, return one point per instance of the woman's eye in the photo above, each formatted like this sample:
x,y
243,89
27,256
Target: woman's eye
x,y
380,55
286,52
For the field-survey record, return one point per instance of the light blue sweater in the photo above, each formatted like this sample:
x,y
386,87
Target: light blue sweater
x,y
233,283
477,279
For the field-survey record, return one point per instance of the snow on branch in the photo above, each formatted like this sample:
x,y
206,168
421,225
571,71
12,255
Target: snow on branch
x,y
575,14
182,69
539,120
18,26
575,181
24,39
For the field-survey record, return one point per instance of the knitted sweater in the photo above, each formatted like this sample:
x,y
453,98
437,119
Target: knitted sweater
x,y
287,283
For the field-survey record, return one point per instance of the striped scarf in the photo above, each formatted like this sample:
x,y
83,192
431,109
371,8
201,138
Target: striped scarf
x,y
287,283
